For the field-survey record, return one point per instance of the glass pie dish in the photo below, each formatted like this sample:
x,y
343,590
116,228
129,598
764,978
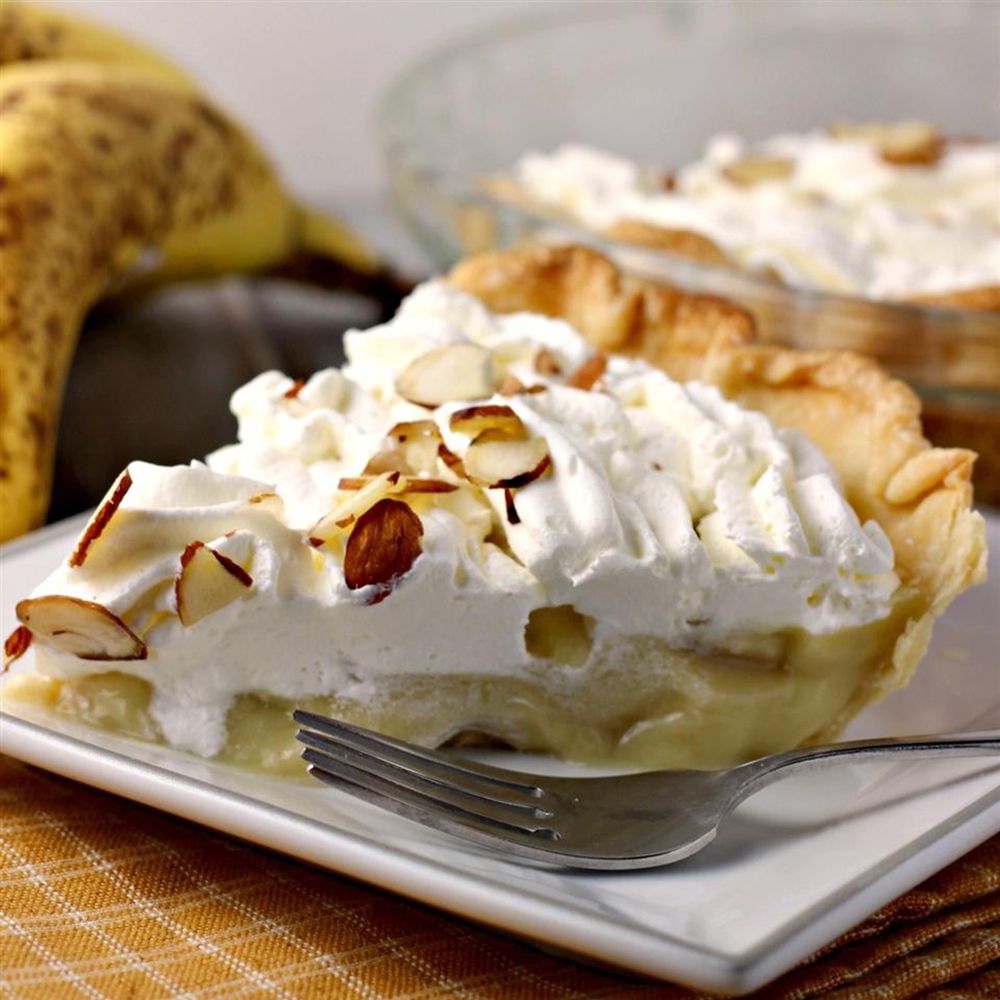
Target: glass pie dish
x,y
646,81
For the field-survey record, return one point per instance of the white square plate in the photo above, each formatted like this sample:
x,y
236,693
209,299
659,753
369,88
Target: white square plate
x,y
794,867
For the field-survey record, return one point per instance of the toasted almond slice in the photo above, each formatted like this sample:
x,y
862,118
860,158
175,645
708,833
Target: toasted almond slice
x,y
546,363
473,420
511,385
407,430
82,628
494,460
411,447
910,143
405,484
445,374
451,460
364,492
512,515
15,646
390,459
391,479
97,524
586,376
759,170
207,582
292,392
383,546
414,484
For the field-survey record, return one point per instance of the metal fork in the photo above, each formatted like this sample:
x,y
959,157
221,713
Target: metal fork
x,y
613,823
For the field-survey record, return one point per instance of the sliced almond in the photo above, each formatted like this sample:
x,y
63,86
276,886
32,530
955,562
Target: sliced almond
x,y
496,461
15,645
389,459
97,524
586,376
759,170
382,547
512,515
410,447
511,385
414,484
82,628
366,493
207,582
473,420
911,143
404,484
447,374
407,430
451,460
546,363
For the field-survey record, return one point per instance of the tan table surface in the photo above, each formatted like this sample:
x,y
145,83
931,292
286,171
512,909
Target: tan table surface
x,y
103,898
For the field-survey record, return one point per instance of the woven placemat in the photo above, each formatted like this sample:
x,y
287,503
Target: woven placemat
x,y
103,898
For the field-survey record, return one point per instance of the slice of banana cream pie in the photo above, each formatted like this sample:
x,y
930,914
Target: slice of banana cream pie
x,y
546,503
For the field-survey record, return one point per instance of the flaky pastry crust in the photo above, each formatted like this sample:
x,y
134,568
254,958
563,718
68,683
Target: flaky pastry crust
x,y
866,422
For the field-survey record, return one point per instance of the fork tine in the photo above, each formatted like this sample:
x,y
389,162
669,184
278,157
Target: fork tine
x,y
482,779
429,811
333,758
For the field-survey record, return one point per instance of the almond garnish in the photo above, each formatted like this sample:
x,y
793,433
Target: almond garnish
x,y
405,484
332,524
446,374
512,515
451,460
473,420
207,582
383,547
511,385
15,646
759,170
97,524
82,628
495,460
546,363
586,376
910,143
411,447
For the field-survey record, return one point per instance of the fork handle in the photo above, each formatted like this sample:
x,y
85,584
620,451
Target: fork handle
x,y
755,774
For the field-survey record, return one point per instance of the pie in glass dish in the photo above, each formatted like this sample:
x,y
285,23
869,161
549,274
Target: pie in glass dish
x,y
887,212
548,505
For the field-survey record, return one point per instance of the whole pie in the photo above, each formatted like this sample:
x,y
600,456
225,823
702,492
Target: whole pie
x,y
547,505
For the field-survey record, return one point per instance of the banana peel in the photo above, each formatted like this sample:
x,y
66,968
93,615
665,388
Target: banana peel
x,y
110,155
30,32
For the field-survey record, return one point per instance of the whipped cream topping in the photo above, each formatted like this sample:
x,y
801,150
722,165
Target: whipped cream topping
x,y
843,219
666,511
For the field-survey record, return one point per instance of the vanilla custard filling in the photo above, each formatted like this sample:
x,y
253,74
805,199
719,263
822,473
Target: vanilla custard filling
x,y
674,586
841,218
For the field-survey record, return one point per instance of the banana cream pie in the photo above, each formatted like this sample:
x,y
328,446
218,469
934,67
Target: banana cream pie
x,y
563,508
889,212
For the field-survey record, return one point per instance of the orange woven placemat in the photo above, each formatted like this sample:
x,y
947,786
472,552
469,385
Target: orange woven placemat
x,y
102,898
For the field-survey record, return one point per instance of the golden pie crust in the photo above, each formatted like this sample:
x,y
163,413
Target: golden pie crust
x,y
864,421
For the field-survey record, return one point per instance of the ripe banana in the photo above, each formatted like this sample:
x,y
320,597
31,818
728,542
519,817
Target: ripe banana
x,y
99,163
108,151
31,32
